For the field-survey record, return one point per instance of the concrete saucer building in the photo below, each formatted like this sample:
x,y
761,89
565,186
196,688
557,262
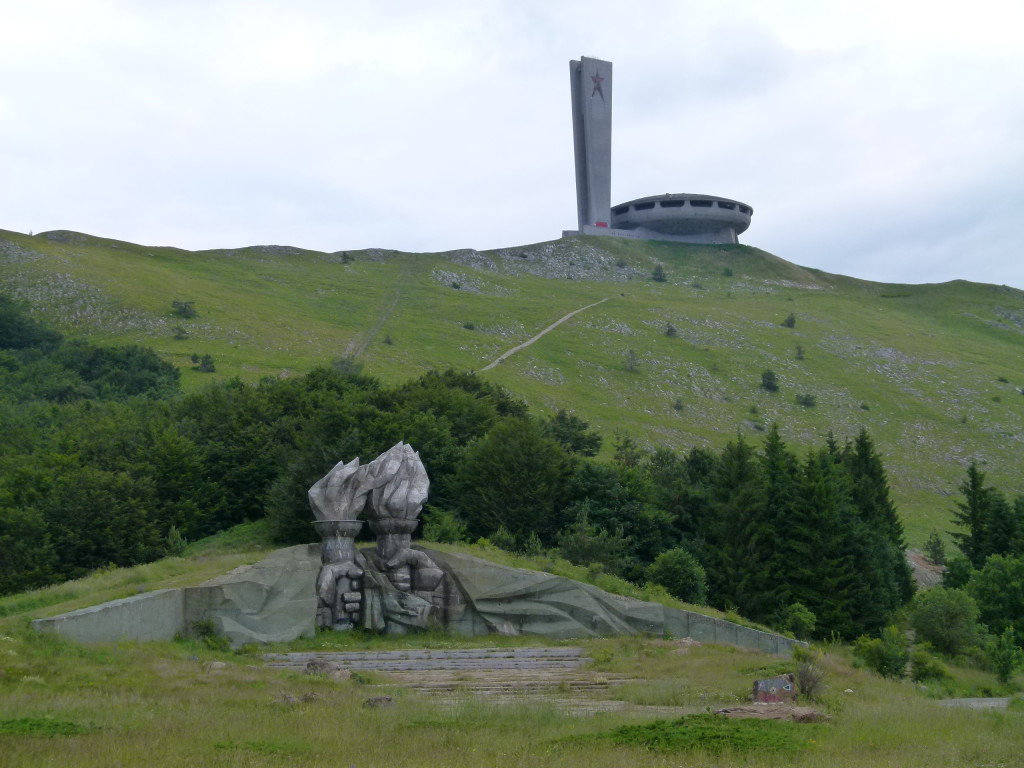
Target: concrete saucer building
x,y
687,218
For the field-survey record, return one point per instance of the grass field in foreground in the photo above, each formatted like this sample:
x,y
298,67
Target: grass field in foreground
x,y
164,704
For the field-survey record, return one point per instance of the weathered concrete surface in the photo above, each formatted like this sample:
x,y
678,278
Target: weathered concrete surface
x,y
516,601
273,600
149,617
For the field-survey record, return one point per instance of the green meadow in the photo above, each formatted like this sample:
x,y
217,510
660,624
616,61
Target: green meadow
x,y
934,372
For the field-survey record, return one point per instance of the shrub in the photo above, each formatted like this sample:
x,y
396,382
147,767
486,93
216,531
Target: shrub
x,y
946,618
799,352
184,308
670,330
810,677
1004,657
444,526
807,401
584,543
935,548
469,326
790,320
712,734
726,272
800,620
887,655
176,543
769,381
680,573
504,539
678,404
206,631
999,589
203,364
924,666
632,360
658,274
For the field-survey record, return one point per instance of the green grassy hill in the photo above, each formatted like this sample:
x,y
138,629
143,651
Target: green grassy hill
x,y
934,372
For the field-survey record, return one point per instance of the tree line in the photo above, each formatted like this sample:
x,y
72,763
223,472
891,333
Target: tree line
x,y
109,463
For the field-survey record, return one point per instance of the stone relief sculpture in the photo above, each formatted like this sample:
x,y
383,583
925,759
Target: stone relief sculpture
x,y
394,587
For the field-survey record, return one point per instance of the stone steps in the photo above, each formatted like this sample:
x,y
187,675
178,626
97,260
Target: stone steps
x,y
499,674
463,659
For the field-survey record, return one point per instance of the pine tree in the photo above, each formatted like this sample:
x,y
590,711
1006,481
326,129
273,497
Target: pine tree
x,y
883,549
780,473
822,573
974,514
733,556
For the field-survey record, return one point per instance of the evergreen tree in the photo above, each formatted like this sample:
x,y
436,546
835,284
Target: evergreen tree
x,y
780,472
733,556
818,550
992,525
881,548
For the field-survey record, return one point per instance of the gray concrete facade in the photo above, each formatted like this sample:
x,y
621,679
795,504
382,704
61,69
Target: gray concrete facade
x,y
591,81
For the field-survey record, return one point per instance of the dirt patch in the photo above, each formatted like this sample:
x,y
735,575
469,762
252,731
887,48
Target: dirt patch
x,y
926,573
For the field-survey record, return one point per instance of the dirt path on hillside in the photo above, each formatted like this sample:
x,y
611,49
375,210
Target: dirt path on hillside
x,y
551,327
358,345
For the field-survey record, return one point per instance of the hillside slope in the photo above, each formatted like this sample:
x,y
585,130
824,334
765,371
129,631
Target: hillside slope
x,y
932,371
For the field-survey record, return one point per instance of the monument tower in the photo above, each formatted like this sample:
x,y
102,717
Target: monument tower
x,y
591,81
686,218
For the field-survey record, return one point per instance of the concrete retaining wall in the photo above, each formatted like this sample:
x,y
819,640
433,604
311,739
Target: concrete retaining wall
x,y
152,616
274,600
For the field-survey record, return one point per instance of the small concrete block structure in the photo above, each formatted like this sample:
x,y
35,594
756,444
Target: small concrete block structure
x,y
775,689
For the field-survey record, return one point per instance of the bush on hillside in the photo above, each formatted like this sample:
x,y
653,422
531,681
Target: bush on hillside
x,y
1004,656
799,620
679,572
924,666
946,618
887,655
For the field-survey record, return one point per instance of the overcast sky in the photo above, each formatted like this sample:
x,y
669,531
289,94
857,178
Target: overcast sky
x,y
882,139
